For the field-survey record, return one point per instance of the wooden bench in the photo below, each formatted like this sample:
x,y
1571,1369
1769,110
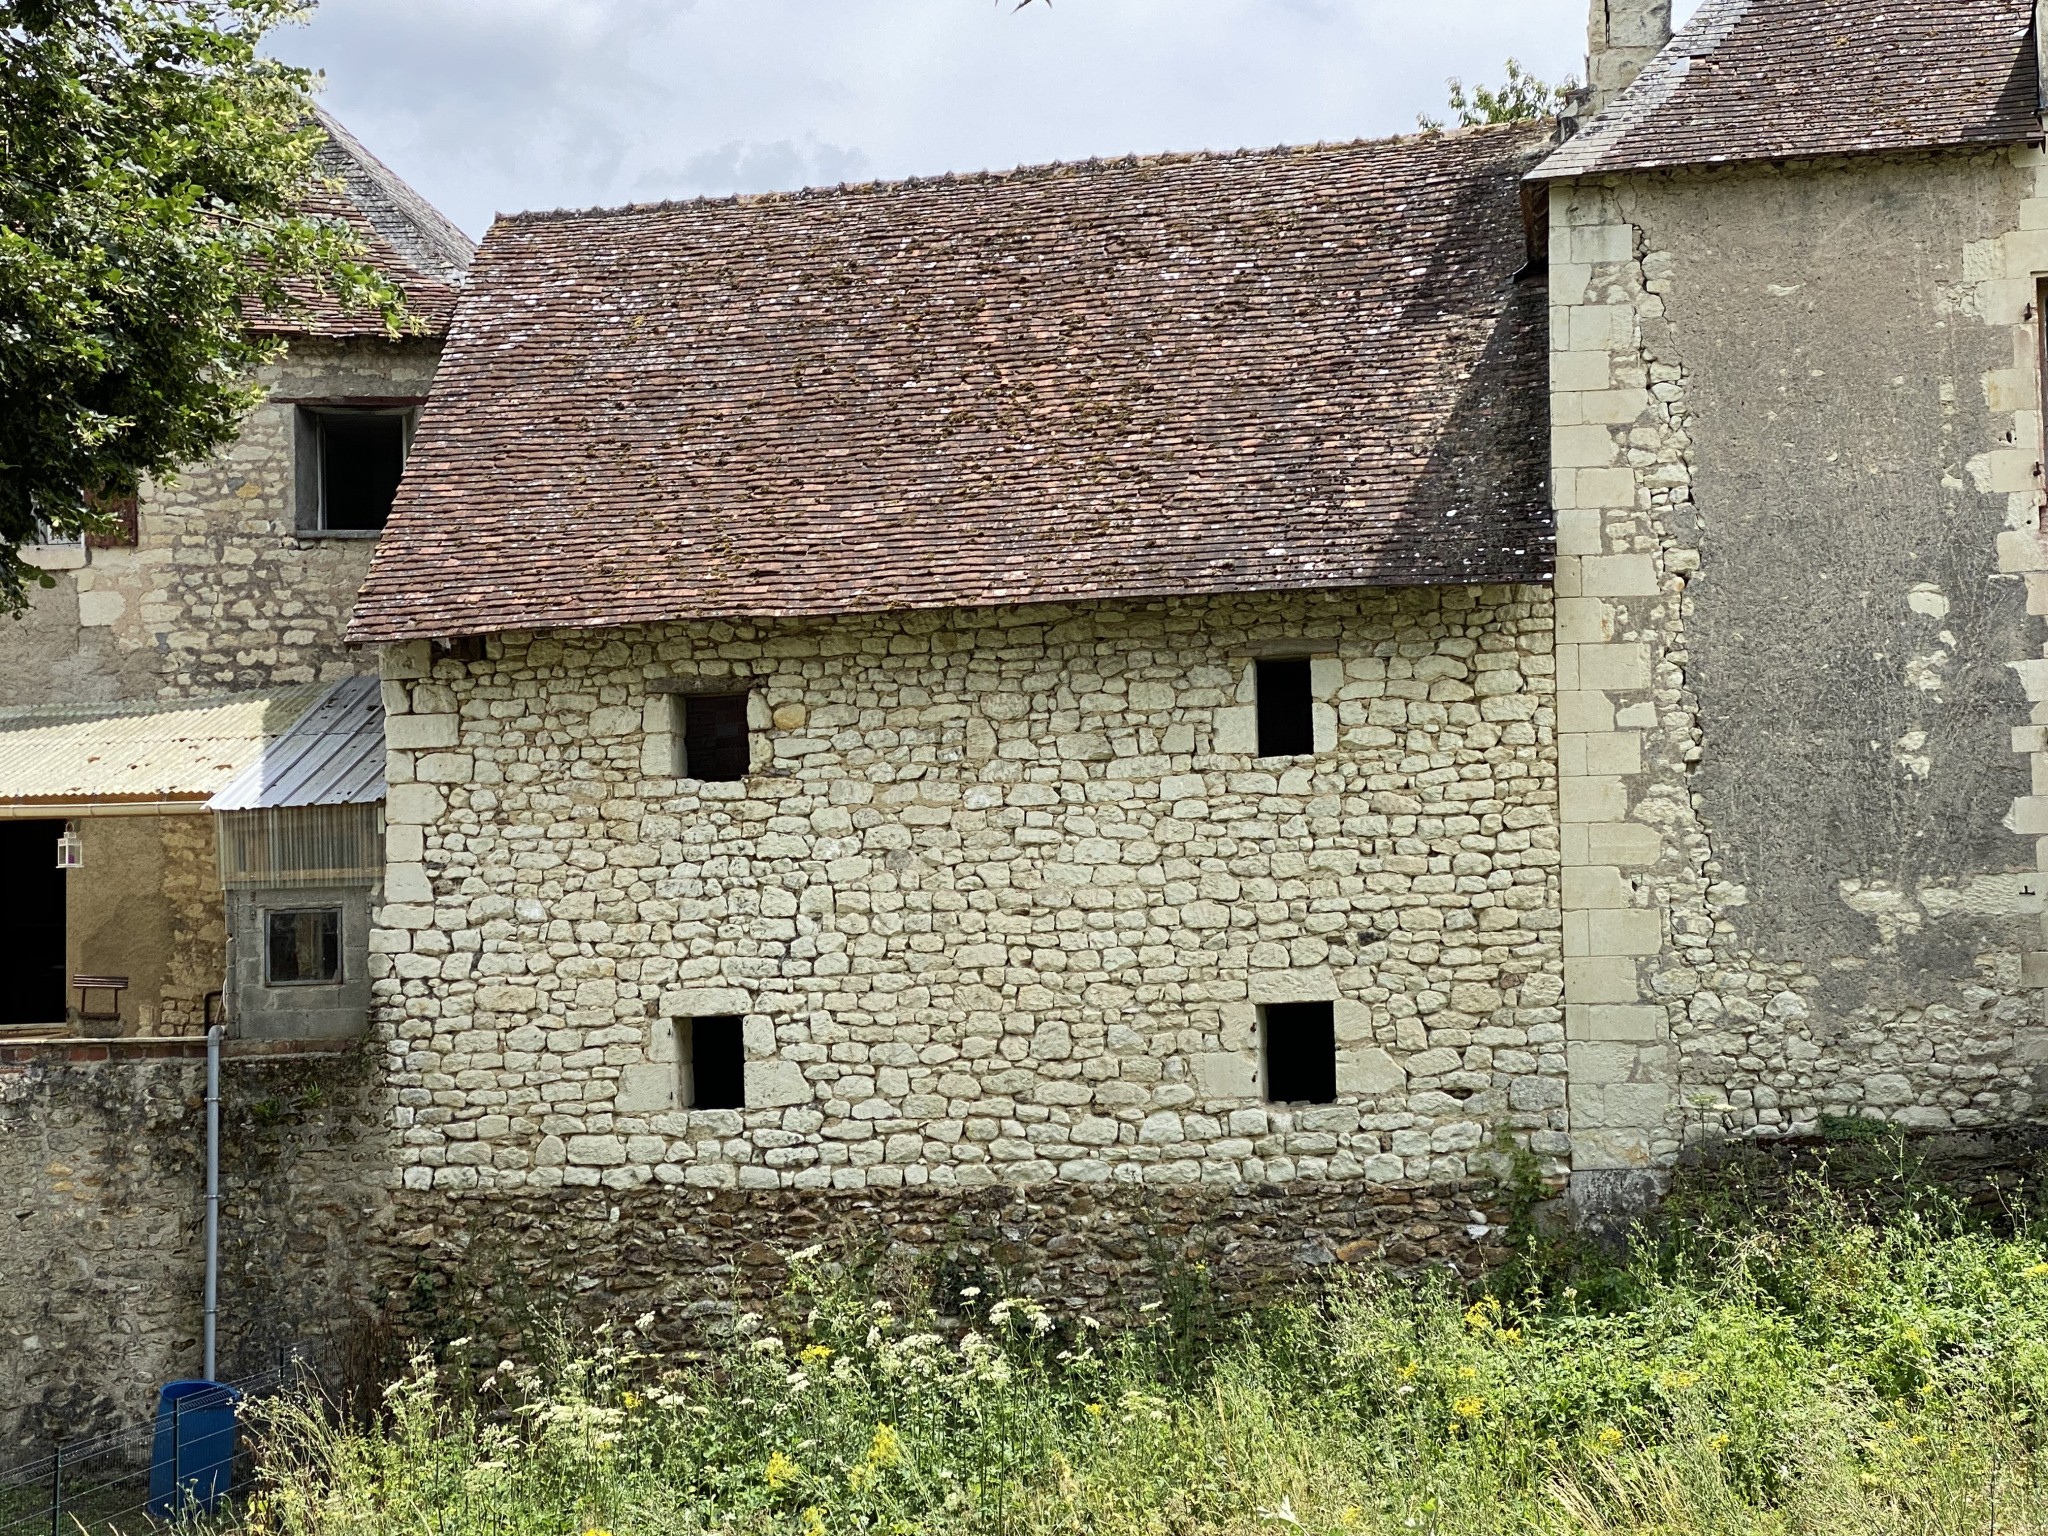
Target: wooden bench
x,y
89,984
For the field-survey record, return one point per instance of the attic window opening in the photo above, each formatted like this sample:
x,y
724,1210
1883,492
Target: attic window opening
x,y
1299,1044
1287,720
711,736
713,1062
350,463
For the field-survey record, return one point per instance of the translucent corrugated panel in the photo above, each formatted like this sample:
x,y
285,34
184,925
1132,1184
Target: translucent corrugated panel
x,y
302,845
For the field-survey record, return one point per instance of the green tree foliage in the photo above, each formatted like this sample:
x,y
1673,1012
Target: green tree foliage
x,y
151,167
1520,99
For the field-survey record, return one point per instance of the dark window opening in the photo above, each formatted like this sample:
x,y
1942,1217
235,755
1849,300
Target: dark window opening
x,y
1301,1052
32,923
302,949
1287,719
714,1062
712,731
358,458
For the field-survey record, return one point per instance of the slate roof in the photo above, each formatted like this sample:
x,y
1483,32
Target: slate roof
x,y
1795,79
1285,369
333,754
408,241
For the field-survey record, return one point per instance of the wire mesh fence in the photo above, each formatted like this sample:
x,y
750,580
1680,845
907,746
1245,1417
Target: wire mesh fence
x,y
131,1479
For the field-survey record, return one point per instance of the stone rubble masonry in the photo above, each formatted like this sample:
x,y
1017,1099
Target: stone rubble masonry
x,y
221,592
1675,1034
999,902
103,1161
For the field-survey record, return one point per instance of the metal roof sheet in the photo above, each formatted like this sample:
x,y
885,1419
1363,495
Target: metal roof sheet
x,y
332,755
125,754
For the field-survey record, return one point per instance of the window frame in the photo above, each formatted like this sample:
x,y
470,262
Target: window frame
x,y
309,450
340,977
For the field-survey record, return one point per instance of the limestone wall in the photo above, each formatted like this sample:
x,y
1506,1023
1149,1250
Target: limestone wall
x,y
1795,448
999,902
220,592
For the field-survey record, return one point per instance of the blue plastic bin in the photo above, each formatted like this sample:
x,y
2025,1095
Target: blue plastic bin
x,y
192,1463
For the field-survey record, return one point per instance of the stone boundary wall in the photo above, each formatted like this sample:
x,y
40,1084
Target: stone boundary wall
x,y
102,1158
999,901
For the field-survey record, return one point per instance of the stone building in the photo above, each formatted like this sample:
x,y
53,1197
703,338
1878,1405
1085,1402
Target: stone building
x,y
1060,720
169,658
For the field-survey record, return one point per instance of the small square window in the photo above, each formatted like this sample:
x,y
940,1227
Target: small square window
x,y
1287,719
302,949
714,1062
350,463
711,736
1300,1047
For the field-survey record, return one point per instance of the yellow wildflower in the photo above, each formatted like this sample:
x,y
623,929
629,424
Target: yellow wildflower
x,y
1468,1373
814,1354
780,1469
1407,1372
2037,1271
631,1400
886,1449
1469,1407
1611,1438
1097,1410
814,1521
1350,1515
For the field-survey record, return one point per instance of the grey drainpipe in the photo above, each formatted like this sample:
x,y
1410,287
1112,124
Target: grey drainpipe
x,y
213,1035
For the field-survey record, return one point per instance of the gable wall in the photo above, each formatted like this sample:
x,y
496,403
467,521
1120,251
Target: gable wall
x,y
1795,451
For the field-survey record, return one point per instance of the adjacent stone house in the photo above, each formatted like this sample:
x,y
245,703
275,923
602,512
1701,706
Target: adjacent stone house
x,y
169,659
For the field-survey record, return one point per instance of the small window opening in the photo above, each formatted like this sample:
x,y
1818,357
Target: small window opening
x,y
714,1062
711,736
1300,1042
1287,719
303,948
359,459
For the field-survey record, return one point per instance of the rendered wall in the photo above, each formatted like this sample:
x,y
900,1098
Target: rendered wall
x,y
147,906
999,903
220,593
1796,444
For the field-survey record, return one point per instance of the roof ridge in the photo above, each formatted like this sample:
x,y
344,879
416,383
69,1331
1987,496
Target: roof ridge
x,y
413,225
1039,170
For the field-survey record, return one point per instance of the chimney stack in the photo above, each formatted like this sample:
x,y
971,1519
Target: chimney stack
x,y
1621,37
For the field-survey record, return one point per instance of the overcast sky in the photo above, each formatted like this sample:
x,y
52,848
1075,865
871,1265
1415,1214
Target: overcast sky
x,y
501,105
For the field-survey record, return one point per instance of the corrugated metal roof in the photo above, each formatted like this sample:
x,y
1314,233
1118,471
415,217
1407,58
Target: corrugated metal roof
x,y
125,754
332,755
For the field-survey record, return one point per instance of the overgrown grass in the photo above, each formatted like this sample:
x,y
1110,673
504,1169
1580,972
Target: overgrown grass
x,y
1828,1375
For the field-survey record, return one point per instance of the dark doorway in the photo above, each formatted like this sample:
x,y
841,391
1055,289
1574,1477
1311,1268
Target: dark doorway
x,y
31,923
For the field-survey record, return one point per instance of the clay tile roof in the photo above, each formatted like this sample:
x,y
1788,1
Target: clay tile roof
x,y
408,240
1794,79
1215,373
